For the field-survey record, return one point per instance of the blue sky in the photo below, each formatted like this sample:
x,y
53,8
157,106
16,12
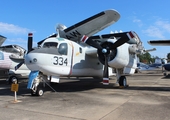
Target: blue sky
x,y
150,19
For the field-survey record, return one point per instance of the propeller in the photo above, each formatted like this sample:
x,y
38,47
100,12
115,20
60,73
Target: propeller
x,y
105,50
30,40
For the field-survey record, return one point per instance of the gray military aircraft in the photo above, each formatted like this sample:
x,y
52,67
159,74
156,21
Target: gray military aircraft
x,y
75,52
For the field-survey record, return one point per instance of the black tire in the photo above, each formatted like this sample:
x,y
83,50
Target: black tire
x,y
39,92
165,74
10,81
33,93
122,81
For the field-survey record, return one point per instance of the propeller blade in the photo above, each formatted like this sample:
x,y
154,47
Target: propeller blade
x,y
105,72
89,41
119,42
19,65
29,42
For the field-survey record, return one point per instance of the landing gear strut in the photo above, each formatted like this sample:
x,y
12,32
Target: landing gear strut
x,y
37,89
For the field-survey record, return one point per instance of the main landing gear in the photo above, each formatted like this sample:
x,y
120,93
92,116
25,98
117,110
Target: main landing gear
x,y
122,82
11,78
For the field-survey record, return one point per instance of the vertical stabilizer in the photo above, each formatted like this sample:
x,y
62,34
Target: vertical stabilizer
x,y
2,39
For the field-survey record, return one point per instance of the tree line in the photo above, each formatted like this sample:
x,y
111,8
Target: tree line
x,y
148,59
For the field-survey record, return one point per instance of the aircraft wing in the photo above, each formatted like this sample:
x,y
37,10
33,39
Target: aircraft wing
x,y
159,42
90,26
2,39
13,49
131,36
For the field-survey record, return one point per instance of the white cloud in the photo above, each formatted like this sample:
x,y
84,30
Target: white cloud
x,y
165,25
138,21
11,28
158,29
154,31
19,41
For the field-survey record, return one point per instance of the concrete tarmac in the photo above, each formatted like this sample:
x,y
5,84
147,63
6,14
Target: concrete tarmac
x,y
146,98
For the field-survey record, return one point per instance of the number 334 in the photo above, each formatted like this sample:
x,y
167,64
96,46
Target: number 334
x,y
60,61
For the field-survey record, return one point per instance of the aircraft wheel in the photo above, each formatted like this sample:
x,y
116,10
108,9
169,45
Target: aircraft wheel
x,y
165,74
11,78
33,93
39,92
122,81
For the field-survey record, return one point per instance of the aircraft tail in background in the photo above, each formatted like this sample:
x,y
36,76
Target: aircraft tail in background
x,y
2,39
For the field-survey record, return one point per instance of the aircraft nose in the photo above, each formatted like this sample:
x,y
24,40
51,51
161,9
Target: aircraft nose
x,y
31,61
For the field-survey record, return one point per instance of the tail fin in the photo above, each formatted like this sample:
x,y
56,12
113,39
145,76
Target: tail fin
x,y
2,39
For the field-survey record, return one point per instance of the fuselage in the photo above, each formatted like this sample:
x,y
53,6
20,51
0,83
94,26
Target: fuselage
x,y
61,57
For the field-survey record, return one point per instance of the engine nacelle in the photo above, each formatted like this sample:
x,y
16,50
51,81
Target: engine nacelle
x,y
122,57
118,57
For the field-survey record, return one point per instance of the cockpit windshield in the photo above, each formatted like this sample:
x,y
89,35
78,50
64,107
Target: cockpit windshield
x,y
50,44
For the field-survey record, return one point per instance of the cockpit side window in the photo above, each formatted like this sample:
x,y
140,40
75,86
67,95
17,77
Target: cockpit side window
x,y
63,48
50,44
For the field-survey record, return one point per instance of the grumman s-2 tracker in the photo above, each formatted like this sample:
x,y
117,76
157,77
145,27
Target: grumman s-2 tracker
x,y
75,52
7,65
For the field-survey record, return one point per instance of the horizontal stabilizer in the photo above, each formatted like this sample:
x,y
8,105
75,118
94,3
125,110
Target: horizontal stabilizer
x,y
16,59
16,49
